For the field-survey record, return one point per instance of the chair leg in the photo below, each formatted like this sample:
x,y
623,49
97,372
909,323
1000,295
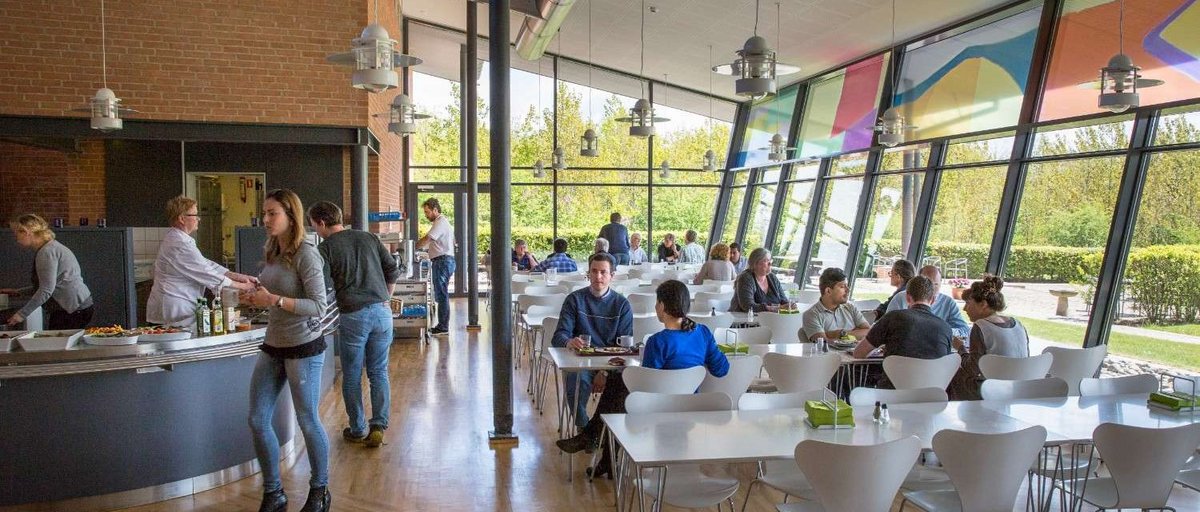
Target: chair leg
x,y
749,488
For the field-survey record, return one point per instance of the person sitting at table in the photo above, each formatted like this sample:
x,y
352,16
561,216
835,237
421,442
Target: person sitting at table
x,y
637,255
757,288
943,305
558,260
833,317
597,311
692,251
717,267
736,259
668,252
902,270
991,333
521,257
681,344
911,332
600,246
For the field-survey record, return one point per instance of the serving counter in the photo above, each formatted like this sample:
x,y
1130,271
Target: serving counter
x,y
101,428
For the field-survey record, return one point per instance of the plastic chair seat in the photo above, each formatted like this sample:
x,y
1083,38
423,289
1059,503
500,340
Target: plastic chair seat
x,y
800,506
785,477
939,501
687,487
1189,478
1099,491
927,479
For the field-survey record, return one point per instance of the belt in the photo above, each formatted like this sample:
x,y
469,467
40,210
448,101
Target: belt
x,y
442,256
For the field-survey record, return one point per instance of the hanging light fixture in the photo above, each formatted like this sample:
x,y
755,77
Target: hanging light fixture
x,y
105,107
665,168
402,116
778,148
589,145
756,66
375,58
892,127
1120,79
539,169
710,156
641,119
558,159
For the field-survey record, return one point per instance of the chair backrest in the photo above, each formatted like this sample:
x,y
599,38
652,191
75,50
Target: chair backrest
x,y
765,401
542,310
1000,389
742,371
910,372
539,289
646,325
837,472
723,285
520,286
549,325
801,373
1181,384
784,328
719,300
987,469
1142,383
641,402
722,320
807,296
860,397
641,303
1076,364
1144,462
866,304
524,301
653,380
1015,368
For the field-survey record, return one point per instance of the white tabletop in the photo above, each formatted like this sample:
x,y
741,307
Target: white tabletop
x,y
745,436
805,350
1073,419
567,359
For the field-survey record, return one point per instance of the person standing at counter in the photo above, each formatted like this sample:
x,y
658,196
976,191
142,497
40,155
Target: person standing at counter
x,y
57,282
181,273
364,277
439,242
293,287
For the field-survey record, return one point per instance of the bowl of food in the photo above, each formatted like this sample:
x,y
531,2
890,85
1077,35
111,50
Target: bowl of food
x,y
40,341
163,333
109,336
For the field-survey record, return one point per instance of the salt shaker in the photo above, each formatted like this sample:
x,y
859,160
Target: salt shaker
x,y
876,414
884,415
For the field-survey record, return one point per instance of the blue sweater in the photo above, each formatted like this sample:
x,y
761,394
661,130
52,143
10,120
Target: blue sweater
x,y
676,350
603,318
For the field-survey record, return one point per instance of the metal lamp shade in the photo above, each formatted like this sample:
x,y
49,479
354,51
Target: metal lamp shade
x,y
374,61
402,116
710,160
756,69
891,128
106,115
558,159
589,145
539,169
1119,84
641,122
666,170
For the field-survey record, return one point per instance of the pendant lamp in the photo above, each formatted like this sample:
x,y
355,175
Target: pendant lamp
x,y
756,66
104,106
374,56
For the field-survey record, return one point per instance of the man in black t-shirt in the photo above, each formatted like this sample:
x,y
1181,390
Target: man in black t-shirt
x,y
913,332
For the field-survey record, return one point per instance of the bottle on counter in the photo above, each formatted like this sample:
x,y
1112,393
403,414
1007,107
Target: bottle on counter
x,y
231,318
203,319
218,318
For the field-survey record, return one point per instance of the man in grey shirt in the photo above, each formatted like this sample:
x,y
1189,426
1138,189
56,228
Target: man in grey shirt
x,y
833,317
364,276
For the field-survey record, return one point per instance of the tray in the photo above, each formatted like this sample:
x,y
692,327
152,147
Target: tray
x,y
7,338
109,341
608,351
170,336
67,338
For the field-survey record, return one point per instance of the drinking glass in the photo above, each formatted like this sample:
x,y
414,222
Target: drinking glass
x,y
587,339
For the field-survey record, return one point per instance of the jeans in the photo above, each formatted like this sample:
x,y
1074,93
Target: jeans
x,y
622,258
59,319
443,268
303,377
364,337
585,391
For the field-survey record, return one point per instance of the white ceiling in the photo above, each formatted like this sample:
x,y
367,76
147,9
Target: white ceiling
x,y
816,34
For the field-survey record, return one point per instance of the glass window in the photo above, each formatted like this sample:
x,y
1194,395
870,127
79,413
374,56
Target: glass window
x,y
692,130
1083,137
805,170
888,232
840,109
602,176
839,211
793,223
532,218
584,209
978,150
688,177
597,106
733,214
437,139
678,209
969,82
762,203
855,163
420,175
905,158
964,219
1178,125
767,117
1159,37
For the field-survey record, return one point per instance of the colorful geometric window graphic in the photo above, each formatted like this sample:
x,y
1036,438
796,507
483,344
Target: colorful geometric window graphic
x,y
840,109
767,117
1162,37
969,82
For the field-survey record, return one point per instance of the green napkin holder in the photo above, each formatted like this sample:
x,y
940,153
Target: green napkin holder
x,y
821,414
731,349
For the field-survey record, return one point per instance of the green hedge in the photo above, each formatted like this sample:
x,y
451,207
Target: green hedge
x,y
1164,282
580,242
1025,263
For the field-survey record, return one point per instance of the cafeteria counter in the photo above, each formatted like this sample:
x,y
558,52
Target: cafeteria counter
x,y
102,428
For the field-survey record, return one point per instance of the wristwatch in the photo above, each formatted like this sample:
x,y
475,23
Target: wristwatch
x,y
841,334
279,303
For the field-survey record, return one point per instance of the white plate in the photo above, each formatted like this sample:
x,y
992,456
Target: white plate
x,y
66,339
172,336
110,340
6,343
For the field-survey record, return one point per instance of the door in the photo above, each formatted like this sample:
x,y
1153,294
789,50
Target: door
x,y
208,205
453,198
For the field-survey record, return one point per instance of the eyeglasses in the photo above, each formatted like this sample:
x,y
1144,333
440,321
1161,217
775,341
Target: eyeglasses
x,y
191,215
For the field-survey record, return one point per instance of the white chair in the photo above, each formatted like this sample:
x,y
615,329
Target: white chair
x,y
838,471
866,397
768,401
744,335
722,320
642,304
646,325
910,372
807,296
653,380
724,286
1143,384
865,305
1000,389
742,371
686,486
1015,368
781,475
786,328
1143,462
801,373
718,300
986,469
1075,364
541,363
539,289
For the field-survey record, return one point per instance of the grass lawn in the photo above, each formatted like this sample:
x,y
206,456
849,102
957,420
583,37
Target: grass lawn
x,y
1167,353
868,296
1189,329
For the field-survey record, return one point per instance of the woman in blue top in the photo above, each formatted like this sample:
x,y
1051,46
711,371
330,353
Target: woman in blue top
x,y
682,344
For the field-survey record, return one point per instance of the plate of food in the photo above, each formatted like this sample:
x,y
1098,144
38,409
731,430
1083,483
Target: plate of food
x,y
163,333
113,335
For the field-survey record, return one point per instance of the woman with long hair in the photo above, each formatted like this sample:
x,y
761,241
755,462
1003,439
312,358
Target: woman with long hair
x,y
293,287
58,286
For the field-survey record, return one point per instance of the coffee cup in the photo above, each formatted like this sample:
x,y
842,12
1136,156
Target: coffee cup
x,y
625,341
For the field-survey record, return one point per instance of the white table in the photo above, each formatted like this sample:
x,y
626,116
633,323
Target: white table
x,y
566,360
854,370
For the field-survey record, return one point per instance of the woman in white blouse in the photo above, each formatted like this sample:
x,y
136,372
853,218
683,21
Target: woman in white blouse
x,y
181,273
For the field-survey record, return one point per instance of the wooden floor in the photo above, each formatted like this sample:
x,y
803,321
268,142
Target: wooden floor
x,y
437,456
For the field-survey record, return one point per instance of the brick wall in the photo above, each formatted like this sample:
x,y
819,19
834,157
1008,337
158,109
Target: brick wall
x,y
384,184
53,183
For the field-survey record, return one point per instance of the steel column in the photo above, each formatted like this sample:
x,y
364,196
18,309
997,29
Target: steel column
x,y
358,187
501,271
471,149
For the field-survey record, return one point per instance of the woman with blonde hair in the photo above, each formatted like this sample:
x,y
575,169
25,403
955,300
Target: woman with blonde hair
x,y
181,273
293,287
58,285
718,267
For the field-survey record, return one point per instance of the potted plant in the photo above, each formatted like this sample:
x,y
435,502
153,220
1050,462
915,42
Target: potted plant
x,y
957,285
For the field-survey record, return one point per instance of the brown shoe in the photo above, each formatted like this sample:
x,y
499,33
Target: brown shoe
x,y
375,438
